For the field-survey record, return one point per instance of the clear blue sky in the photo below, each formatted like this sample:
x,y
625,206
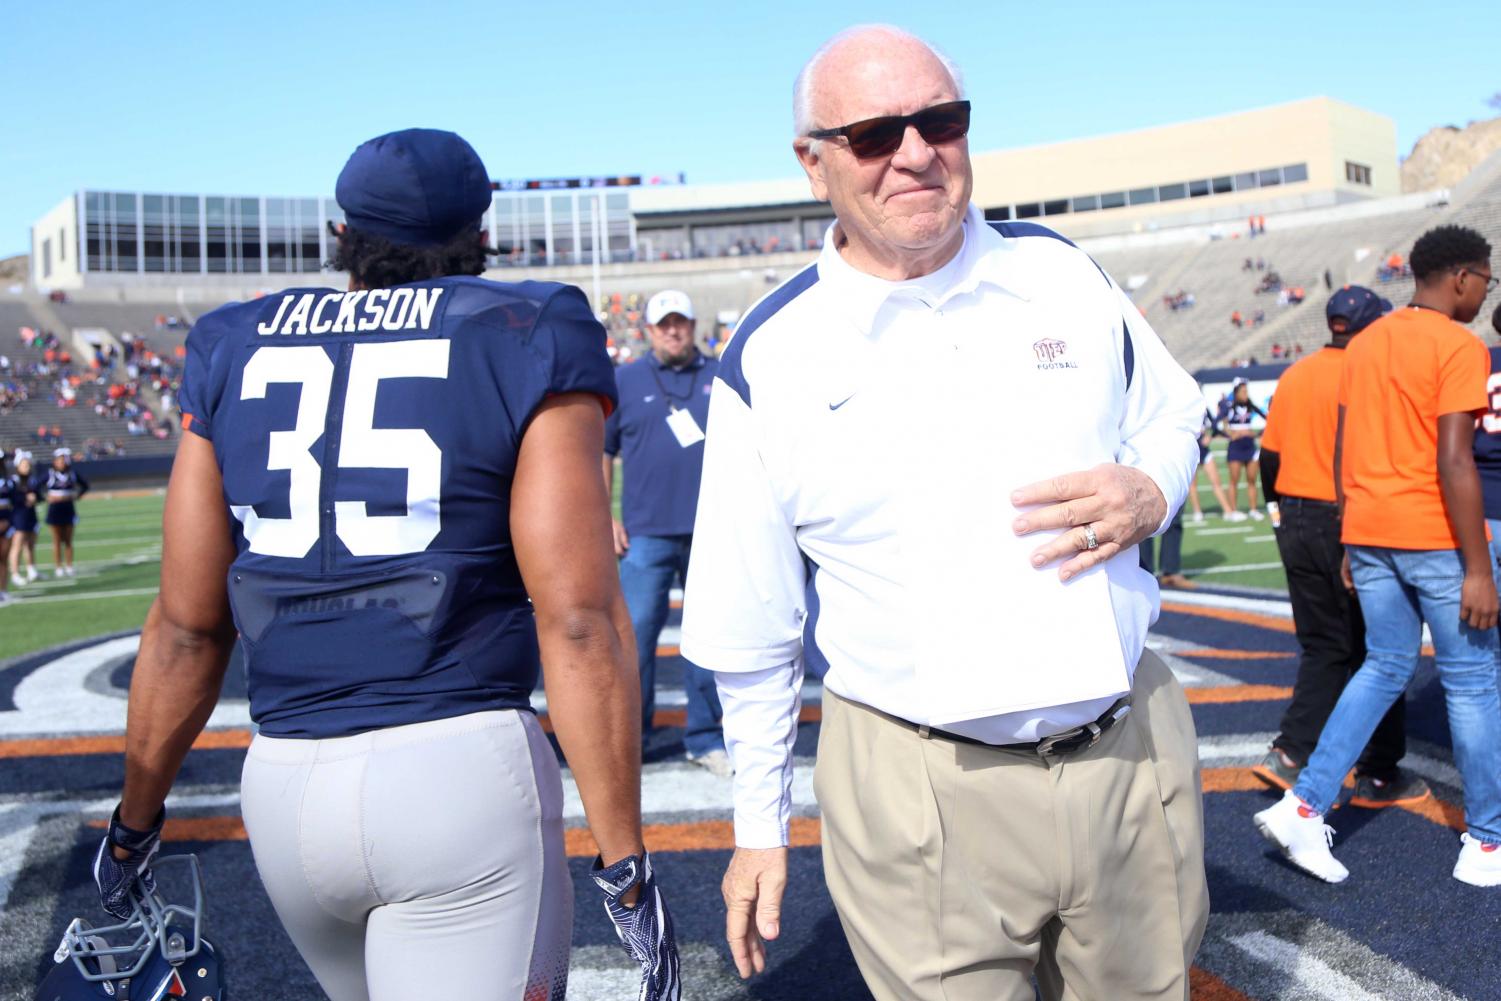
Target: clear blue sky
x,y
270,98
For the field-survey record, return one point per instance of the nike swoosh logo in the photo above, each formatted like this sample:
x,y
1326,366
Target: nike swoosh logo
x,y
836,406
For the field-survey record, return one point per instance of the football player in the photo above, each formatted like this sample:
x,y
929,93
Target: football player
x,y
392,493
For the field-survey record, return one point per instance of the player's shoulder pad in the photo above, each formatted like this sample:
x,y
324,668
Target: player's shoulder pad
x,y
512,306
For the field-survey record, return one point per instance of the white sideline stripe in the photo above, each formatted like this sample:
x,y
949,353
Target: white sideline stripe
x,y
1266,606
1237,530
20,602
1301,968
677,698
682,787
18,822
1234,568
1250,748
1260,538
119,541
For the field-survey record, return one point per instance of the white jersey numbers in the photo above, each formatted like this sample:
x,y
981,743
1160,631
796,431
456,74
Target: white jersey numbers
x,y
361,445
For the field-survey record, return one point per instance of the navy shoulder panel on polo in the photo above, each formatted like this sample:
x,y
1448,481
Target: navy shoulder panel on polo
x,y
1013,230
730,369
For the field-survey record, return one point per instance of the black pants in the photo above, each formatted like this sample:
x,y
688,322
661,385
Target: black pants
x,y
1331,631
1172,549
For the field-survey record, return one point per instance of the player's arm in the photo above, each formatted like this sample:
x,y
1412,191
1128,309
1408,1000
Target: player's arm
x,y
188,635
83,486
560,526
1460,483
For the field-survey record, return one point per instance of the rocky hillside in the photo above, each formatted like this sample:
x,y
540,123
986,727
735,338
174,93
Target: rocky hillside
x,y
13,270
1446,154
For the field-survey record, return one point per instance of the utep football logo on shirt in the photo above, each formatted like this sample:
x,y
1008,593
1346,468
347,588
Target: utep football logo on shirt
x,y
1050,352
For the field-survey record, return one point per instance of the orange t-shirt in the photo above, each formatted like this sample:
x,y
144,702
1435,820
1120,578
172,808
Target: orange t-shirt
x,y
1401,374
1301,424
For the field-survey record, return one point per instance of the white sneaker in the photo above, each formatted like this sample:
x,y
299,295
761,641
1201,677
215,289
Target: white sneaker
x,y
31,574
18,580
1235,516
1197,517
1479,862
70,571
5,598
58,573
1303,837
716,762
1256,515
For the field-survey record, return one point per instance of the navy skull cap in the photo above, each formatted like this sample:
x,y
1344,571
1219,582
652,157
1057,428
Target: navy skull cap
x,y
1359,306
420,187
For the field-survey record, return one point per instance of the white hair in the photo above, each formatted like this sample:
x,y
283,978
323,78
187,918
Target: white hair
x,y
802,89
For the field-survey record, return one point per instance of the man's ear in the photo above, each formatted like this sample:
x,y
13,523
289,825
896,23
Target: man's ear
x,y
808,157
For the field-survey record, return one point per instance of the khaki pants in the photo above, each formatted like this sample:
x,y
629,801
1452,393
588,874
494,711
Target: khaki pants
x,y
959,872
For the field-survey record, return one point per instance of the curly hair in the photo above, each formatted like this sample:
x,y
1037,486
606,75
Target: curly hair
x,y
1445,248
376,262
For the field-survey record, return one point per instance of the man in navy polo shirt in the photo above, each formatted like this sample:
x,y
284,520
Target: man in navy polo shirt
x,y
658,432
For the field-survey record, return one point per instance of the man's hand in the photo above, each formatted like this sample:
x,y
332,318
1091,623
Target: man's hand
x,y
622,540
1346,577
752,889
122,855
1477,600
645,927
1120,503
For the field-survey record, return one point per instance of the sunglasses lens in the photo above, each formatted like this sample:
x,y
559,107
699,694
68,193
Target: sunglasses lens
x,y
944,124
876,136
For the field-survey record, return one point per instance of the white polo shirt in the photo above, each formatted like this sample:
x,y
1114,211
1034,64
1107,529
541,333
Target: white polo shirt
x,y
854,512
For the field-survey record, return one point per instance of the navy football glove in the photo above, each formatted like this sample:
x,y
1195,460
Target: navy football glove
x,y
116,878
645,929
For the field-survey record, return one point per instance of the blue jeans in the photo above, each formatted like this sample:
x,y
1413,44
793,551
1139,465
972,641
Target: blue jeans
x,y
647,572
1399,590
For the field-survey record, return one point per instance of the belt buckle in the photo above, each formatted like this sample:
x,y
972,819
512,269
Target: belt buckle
x,y
1048,746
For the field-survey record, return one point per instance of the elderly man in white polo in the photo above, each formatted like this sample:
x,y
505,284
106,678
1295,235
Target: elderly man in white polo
x,y
934,452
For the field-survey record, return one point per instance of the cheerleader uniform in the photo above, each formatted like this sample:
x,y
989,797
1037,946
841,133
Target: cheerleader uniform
x,y
9,486
1237,417
23,512
63,487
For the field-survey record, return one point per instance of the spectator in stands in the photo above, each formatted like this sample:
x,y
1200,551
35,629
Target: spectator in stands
x,y
1328,280
1236,321
1276,352
1415,551
23,521
1250,265
1237,415
1297,462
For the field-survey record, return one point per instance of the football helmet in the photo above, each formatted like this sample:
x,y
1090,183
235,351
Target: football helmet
x,y
157,954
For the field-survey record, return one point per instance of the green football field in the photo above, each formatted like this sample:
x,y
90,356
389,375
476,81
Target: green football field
x,y
119,545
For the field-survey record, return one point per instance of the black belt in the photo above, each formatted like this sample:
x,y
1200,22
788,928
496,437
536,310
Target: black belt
x,y
1286,501
1078,738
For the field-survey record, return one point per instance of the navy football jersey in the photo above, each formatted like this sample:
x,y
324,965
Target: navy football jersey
x,y
367,441
1488,441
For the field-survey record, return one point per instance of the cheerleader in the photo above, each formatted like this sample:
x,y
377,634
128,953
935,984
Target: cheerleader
x,y
64,487
8,487
1207,434
23,521
1242,456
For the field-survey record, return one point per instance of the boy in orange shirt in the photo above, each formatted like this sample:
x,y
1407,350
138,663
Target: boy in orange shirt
x,y
1297,464
1414,528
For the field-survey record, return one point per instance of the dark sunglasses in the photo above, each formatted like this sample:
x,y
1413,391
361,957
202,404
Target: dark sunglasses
x,y
873,137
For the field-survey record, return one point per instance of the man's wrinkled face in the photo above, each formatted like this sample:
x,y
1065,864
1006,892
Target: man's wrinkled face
x,y
906,203
672,339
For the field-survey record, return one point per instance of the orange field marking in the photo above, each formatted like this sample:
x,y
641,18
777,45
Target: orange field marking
x,y
1271,622
1205,986
667,651
52,747
1432,809
1237,654
1237,693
